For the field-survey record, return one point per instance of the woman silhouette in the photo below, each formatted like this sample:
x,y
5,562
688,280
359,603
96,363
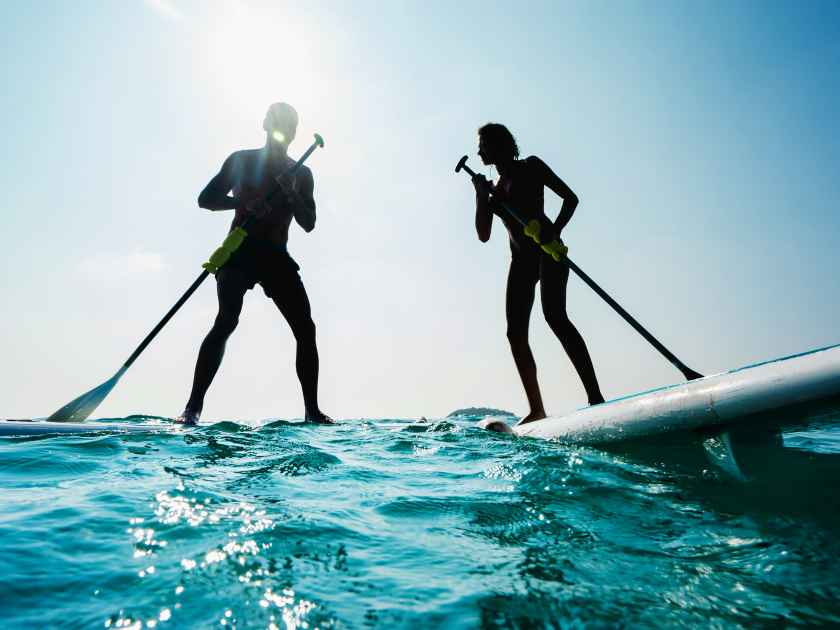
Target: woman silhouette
x,y
521,184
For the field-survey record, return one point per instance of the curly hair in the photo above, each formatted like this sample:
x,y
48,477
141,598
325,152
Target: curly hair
x,y
500,137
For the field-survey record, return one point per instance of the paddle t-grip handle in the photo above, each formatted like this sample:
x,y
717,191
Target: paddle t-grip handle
x,y
462,165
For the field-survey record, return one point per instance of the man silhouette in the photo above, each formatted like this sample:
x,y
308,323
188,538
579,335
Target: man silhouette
x,y
263,257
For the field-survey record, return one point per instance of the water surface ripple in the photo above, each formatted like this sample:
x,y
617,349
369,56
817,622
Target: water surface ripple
x,y
398,523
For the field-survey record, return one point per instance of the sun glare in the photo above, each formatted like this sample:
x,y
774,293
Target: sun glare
x,y
261,56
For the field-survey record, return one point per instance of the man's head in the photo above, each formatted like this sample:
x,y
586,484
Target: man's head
x,y
496,144
281,121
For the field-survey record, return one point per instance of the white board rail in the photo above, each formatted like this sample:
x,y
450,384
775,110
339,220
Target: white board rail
x,y
707,402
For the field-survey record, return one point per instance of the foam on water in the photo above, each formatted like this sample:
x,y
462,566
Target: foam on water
x,y
400,523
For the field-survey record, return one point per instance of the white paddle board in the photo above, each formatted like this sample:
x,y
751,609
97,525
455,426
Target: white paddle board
x,y
712,401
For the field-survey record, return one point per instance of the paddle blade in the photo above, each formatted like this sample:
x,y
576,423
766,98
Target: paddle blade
x,y
79,409
691,375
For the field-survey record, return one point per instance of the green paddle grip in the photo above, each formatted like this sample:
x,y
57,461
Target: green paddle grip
x,y
555,249
533,230
231,243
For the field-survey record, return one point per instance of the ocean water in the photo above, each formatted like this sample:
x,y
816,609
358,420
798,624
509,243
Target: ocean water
x,y
400,523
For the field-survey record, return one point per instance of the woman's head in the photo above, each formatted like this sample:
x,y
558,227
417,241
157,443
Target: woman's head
x,y
496,144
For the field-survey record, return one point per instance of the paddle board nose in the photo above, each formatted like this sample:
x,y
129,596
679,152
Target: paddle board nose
x,y
493,424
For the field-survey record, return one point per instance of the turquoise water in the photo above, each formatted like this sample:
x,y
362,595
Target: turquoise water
x,y
394,523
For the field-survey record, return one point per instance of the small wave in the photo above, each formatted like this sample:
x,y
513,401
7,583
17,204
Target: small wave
x,y
305,462
226,426
441,426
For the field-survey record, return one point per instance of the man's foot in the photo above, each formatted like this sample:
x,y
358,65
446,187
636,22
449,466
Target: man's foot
x,y
318,417
532,417
189,418
597,400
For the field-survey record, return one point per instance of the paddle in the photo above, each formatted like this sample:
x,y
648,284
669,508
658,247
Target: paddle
x,y
80,408
558,252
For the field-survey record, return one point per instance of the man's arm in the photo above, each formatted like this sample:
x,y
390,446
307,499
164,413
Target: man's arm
x,y
559,187
303,200
215,194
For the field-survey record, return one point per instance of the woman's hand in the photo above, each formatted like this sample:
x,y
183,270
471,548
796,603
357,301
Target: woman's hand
x,y
482,185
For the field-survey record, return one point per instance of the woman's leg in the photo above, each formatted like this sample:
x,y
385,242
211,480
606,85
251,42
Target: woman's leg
x,y
521,284
553,280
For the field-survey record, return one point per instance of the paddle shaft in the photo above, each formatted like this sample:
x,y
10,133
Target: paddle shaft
x,y
165,319
203,275
682,367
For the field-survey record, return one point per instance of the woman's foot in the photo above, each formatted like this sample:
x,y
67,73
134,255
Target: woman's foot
x,y
533,417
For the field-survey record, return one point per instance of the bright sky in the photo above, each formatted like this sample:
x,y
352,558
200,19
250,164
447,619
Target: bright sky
x,y
701,139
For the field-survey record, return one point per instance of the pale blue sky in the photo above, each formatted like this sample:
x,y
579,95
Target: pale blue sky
x,y
700,137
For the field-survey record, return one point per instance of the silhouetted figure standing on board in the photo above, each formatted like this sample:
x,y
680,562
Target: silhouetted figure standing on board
x,y
263,257
521,184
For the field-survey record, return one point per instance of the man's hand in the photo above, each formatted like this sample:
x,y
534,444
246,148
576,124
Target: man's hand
x,y
287,191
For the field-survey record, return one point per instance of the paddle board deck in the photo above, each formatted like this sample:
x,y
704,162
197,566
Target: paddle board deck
x,y
712,401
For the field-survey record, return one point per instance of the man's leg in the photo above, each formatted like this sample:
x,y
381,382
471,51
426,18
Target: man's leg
x,y
554,278
521,283
230,288
293,303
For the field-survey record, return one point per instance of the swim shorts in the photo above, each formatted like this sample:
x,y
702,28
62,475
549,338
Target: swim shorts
x,y
266,263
